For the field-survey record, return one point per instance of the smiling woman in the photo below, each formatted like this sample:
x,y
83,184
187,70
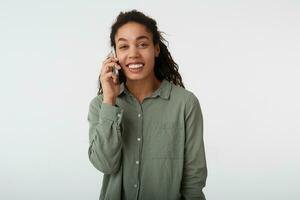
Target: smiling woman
x,y
136,52
146,129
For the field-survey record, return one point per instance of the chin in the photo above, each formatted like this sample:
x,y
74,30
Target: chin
x,y
143,75
131,76
135,78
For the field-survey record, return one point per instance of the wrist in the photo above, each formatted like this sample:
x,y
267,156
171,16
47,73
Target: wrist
x,y
110,101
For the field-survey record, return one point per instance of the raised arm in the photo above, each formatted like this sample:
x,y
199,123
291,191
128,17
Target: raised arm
x,y
105,141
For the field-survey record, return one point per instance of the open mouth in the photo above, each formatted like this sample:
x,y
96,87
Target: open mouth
x,y
136,67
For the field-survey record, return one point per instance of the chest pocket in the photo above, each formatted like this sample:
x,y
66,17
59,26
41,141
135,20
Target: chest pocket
x,y
166,142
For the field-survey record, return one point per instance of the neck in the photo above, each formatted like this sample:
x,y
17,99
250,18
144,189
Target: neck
x,y
143,88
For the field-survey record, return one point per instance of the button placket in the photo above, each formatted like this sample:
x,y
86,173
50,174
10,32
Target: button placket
x,y
119,116
138,138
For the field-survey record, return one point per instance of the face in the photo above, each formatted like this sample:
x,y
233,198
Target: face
x,y
136,51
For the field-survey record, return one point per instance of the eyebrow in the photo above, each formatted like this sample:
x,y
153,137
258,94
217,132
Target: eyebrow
x,y
138,38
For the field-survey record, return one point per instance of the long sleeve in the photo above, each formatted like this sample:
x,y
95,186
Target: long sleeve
x,y
195,170
105,141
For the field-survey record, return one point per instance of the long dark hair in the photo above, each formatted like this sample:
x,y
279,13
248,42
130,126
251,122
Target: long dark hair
x,y
165,67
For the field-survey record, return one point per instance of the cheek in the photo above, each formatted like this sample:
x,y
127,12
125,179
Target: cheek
x,y
151,59
121,61
122,64
148,56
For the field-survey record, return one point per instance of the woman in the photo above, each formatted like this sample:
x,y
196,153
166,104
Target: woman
x,y
146,129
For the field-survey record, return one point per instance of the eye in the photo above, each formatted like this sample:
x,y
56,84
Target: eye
x,y
143,45
123,46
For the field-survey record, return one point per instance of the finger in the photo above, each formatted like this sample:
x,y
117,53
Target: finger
x,y
107,67
110,66
110,76
106,76
110,59
104,72
115,78
116,81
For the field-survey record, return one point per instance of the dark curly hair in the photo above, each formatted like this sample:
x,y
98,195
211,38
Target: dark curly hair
x,y
165,67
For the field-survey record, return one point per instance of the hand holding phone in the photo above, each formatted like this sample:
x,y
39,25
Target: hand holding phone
x,y
114,69
109,78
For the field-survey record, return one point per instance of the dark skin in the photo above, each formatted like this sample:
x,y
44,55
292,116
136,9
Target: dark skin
x,y
136,54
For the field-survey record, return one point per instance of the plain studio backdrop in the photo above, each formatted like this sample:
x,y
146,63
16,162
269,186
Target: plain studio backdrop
x,y
240,58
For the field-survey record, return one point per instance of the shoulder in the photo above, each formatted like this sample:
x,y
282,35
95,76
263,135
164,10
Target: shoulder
x,y
184,95
96,101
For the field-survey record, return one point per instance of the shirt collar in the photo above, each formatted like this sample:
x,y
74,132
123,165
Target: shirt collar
x,y
163,91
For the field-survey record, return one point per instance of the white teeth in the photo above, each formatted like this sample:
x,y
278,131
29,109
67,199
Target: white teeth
x,y
135,66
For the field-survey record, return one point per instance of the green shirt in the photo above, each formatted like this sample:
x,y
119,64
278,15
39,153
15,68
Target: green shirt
x,y
152,150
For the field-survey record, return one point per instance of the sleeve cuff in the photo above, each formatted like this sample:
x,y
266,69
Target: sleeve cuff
x,y
110,112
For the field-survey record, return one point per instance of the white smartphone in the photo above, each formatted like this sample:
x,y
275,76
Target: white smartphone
x,y
115,70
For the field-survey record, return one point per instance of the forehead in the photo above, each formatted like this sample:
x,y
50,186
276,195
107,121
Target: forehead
x,y
132,31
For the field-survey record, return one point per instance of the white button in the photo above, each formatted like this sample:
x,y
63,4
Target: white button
x,y
119,115
139,115
138,139
137,162
135,185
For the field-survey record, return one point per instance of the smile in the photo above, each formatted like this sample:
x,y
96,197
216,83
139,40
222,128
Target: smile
x,y
135,66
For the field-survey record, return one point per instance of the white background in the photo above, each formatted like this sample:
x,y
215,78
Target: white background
x,y
240,58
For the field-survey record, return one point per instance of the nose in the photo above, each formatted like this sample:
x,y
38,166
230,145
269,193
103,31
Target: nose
x,y
133,52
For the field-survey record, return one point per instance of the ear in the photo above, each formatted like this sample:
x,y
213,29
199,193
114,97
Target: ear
x,y
157,50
